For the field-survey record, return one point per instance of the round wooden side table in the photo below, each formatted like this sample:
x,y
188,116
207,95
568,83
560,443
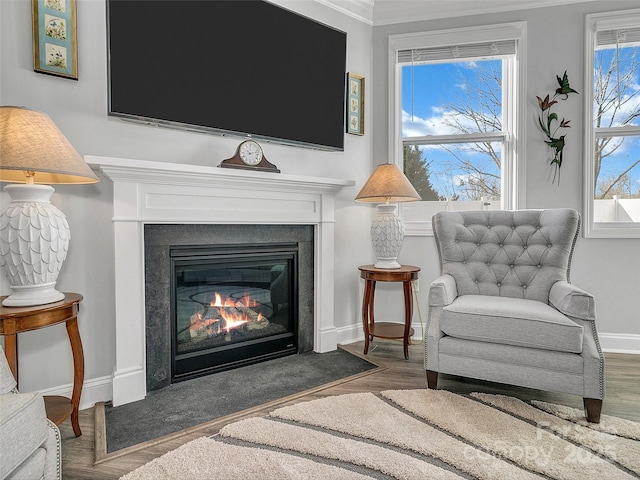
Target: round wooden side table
x,y
14,320
405,274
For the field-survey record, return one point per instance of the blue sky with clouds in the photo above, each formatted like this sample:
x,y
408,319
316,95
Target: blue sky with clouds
x,y
427,89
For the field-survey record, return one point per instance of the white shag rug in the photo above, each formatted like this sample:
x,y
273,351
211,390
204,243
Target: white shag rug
x,y
410,434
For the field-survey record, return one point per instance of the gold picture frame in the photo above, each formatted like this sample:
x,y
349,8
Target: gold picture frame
x,y
355,104
55,49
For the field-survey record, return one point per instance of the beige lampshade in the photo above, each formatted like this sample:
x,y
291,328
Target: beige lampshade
x,y
388,184
31,142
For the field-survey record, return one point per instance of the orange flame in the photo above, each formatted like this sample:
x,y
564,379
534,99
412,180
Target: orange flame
x,y
233,319
245,301
233,322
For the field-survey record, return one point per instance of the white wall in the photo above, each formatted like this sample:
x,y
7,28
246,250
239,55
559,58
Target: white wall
x,y
79,109
610,269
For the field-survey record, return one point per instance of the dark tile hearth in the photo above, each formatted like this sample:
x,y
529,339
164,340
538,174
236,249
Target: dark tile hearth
x,y
203,399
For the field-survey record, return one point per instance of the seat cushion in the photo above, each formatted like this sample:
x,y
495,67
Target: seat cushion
x,y
511,321
23,430
527,367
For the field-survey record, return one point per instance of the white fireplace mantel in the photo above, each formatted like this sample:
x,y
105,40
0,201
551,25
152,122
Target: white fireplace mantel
x,y
156,192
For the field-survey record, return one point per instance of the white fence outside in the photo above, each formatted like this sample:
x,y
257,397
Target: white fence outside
x,y
617,210
417,215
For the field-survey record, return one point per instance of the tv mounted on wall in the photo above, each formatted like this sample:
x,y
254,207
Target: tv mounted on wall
x,y
243,67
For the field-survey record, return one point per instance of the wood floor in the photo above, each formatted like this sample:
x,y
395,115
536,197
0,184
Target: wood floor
x,y
78,454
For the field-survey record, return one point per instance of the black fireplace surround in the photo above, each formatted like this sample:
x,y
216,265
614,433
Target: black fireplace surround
x,y
232,305
184,265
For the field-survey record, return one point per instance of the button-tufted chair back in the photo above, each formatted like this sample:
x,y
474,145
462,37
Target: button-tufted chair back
x,y
518,254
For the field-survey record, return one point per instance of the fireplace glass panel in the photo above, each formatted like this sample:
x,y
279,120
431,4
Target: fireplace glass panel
x,y
233,305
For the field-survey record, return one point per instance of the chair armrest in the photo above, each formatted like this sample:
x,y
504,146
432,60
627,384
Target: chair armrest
x,y
23,430
442,291
53,445
572,301
7,382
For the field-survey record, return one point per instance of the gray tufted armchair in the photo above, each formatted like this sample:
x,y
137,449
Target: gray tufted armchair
x,y
503,309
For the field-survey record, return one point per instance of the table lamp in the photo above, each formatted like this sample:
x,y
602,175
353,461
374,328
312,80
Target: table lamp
x,y
34,235
387,186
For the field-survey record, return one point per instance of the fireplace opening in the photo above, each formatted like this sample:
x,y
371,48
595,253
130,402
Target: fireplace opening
x,y
232,305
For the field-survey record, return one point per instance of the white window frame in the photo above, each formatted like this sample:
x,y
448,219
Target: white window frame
x,y
594,23
513,169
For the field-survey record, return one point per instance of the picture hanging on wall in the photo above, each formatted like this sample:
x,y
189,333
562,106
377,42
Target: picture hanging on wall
x,y
355,104
55,50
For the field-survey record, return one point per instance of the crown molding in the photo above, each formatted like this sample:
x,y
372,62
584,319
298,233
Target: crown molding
x,y
361,10
387,12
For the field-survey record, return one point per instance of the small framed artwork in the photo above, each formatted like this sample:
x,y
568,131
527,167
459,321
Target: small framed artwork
x,y
355,104
55,51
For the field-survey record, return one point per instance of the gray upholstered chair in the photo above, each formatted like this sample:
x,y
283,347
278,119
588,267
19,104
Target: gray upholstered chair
x,y
504,309
29,442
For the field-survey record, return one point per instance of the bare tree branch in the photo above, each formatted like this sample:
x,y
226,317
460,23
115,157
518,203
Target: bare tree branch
x,y
618,179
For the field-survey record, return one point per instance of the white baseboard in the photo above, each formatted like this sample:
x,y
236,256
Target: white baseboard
x,y
350,334
94,390
354,333
620,342
101,390
610,342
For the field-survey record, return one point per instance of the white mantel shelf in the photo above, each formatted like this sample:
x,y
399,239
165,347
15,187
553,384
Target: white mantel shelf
x,y
144,171
157,192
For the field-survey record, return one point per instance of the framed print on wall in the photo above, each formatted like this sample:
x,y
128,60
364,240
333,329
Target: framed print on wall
x,y
355,104
55,51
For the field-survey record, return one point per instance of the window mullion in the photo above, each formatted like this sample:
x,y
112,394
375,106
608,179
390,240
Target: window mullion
x,y
459,138
626,131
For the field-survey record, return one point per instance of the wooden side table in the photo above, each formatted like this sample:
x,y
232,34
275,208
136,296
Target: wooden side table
x,y
14,320
371,275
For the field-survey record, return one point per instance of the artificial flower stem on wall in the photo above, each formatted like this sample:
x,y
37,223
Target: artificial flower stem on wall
x,y
548,119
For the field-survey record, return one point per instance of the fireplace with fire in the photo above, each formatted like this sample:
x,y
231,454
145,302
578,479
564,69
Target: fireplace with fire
x,y
218,296
232,305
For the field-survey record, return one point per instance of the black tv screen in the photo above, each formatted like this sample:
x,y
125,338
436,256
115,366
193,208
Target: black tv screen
x,y
242,67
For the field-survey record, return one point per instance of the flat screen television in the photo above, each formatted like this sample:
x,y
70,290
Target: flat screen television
x,y
242,68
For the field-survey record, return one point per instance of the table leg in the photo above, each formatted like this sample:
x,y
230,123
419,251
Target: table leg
x,y
408,314
78,371
367,311
11,352
372,302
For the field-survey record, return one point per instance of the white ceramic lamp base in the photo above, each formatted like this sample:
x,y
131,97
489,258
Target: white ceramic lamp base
x,y
387,234
34,239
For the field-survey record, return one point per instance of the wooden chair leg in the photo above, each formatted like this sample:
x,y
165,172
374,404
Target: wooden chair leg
x,y
592,409
432,379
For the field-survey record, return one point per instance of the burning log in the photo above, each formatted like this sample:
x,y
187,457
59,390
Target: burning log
x,y
212,312
260,323
257,320
197,327
250,313
221,318
204,325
